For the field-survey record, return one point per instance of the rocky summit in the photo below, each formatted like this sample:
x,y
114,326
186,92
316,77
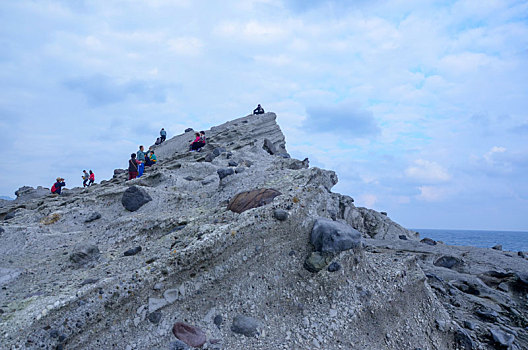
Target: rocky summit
x,y
240,246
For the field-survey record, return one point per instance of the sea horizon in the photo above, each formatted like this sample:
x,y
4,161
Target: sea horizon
x,y
511,240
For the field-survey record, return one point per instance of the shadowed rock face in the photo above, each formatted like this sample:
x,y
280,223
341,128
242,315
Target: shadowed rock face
x,y
184,257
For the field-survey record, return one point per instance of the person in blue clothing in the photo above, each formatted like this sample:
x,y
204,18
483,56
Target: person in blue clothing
x,y
141,160
57,186
163,134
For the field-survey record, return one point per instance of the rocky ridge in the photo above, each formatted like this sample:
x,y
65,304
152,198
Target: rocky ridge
x,y
240,246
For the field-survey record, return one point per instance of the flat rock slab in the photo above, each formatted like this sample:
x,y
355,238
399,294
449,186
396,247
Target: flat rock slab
x,y
252,199
190,335
134,198
333,236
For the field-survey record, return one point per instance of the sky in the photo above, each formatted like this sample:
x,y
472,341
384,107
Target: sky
x,y
421,107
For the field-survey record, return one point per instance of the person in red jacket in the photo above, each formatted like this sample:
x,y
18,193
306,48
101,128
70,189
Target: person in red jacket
x,y
92,178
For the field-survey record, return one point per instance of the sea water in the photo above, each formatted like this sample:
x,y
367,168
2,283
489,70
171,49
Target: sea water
x,y
510,240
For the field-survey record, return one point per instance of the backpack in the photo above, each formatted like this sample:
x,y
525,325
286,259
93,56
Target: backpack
x,y
53,188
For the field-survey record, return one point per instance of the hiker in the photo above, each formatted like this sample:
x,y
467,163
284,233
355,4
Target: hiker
x,y
197,143
202,137
92,178
140,160
85,177
57,186
153,157
132,167
148,160
158,141
163,135
258,110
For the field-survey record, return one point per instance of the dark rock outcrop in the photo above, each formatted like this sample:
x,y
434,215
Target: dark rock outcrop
x,y
134,198
252,199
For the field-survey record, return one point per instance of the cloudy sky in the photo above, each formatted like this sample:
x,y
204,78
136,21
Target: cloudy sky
x,y
421,107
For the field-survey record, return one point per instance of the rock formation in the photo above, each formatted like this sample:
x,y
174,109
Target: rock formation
x,y
94,269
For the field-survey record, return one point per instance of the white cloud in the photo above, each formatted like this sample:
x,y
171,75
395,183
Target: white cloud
x,y
427,171
432,193
186,46
489,157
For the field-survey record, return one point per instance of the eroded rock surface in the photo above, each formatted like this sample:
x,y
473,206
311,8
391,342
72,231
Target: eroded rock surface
x,y
205,265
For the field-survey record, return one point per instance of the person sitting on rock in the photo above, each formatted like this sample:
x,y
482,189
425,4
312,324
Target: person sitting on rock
x,y
202,137
158,141
57,186
85,178
153,157
258,110
148,160
197,143
163,135
92,178
132,167
141,160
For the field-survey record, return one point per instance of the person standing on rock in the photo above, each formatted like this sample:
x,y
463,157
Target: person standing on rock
x,y
258,110
132,167
92,178
57,186
141,160
85,178
163,135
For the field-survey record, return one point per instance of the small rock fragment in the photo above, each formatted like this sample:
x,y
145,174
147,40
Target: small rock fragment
x,y
245,325
92,217
232,163
154,317
218,320
497,247
178,345
403,237
428,241
334,266
315,262
280,214
222,173
132,251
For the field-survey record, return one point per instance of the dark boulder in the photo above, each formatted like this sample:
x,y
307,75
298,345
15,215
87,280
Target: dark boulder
x,y
225,172
280,214
188,130
428,241
92,217
252,199
154,317
190,335
269,147
449,262
497,247
403,237
132,251
232,163
134,198
218,151
9,215
218,320
245,325
334,236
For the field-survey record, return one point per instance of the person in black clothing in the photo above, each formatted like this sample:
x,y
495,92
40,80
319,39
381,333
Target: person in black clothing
x,y
57,186
132,167
258,110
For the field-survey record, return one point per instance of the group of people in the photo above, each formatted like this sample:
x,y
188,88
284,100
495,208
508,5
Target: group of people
x,y
88,179
198,142
162,138
139,160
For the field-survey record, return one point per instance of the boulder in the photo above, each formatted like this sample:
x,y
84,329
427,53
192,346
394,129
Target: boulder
x,y
269,147
334,267
497,247
27,192
84,254
428,241
134,198
232,163
222,173
245,325
9,215
218,151
154,317
334,236
132,251
188,130
190,335
252,199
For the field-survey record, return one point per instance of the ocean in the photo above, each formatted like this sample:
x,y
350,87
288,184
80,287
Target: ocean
x,y
510,240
